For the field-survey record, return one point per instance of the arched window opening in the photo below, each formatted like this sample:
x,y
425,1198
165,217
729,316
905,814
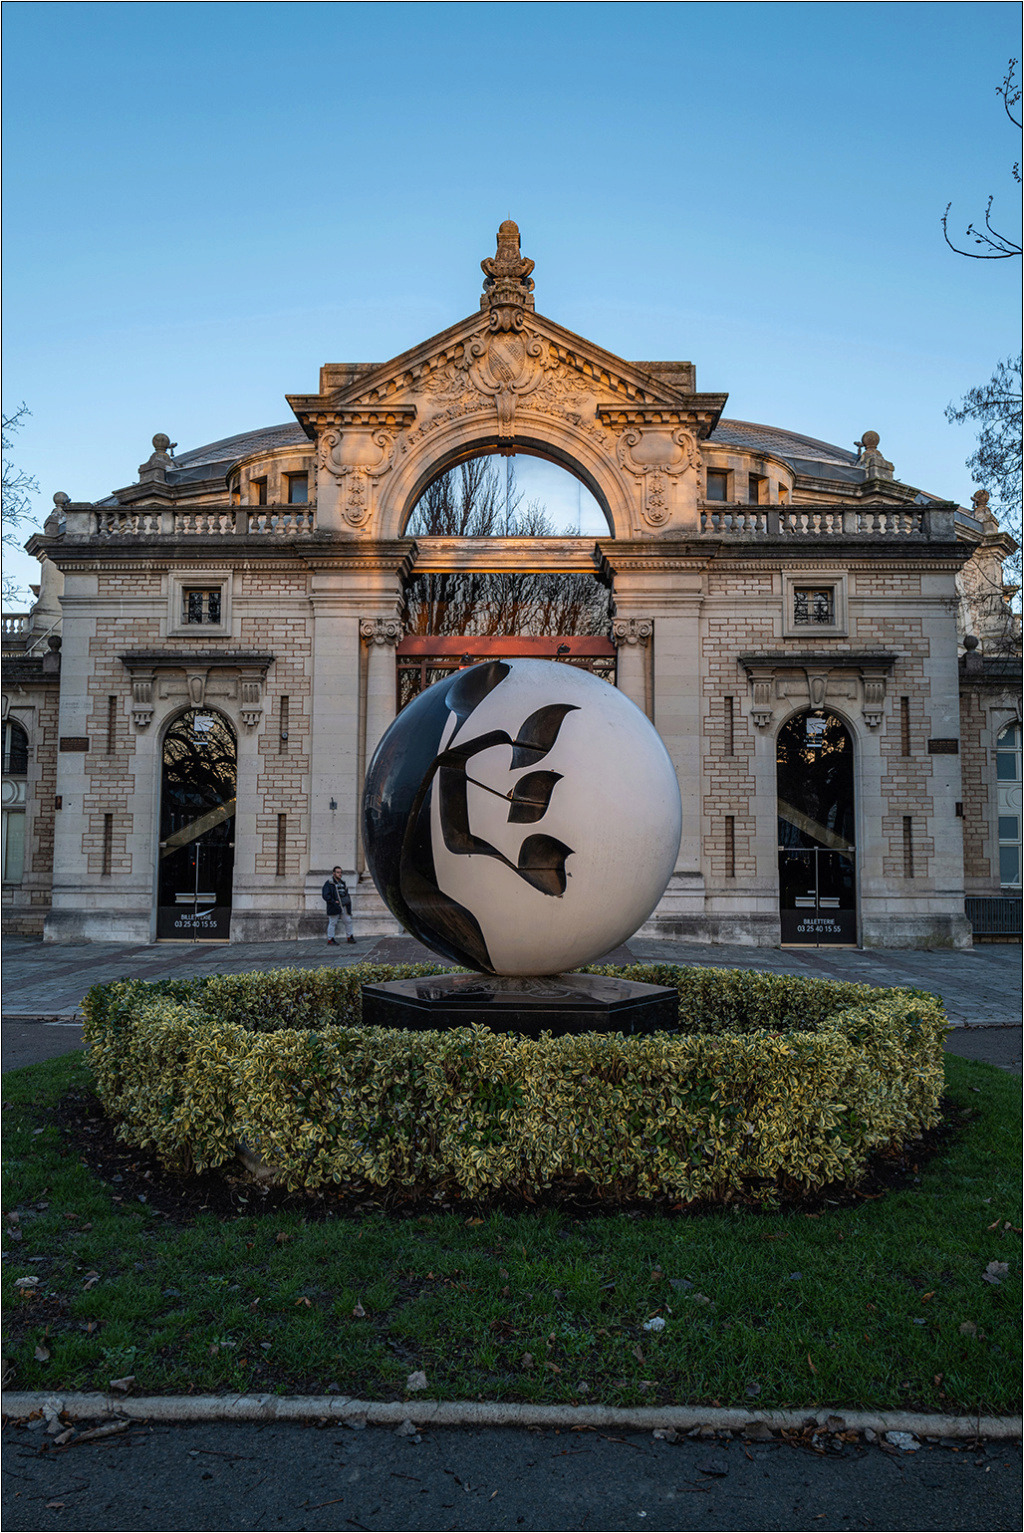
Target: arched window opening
x,y
518,496
197,828
817,874
559,614
1009,799
14,795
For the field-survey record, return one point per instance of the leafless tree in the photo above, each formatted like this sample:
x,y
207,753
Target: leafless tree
x,y
472,501
18,489
995,463
993,246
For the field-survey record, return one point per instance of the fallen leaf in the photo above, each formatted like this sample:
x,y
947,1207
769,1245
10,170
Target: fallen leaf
x,y
282,1238
527,1360
42,1353
968,1328
358,1311
415,1381
474,1221
123,1384
810,1364
926,1296
54,1506
304,1301
656,1323
553,1367
637,1353
26,1282
995,1272
406,1429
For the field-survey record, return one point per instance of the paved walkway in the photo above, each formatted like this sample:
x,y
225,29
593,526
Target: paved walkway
x,y
43,984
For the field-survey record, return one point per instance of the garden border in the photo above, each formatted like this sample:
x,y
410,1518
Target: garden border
x,y
494,1413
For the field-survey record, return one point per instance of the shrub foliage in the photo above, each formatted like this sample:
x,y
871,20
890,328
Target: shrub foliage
x,y
770,1084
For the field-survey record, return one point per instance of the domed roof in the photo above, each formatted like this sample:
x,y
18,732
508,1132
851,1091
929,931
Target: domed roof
x,y
807,454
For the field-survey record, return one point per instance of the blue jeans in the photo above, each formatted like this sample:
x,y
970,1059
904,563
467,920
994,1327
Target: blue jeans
x,y
333,917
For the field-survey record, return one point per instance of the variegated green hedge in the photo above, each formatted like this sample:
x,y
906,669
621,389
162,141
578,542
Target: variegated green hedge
x,y
770,1084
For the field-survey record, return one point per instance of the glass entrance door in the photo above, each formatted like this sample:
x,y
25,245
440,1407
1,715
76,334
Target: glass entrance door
x,y
197,829
817,856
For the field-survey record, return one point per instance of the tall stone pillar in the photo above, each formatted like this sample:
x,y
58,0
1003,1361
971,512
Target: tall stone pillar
x,y
633,637
380,636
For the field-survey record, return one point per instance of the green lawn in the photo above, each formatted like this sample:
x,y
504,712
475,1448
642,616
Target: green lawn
x,y
874,1304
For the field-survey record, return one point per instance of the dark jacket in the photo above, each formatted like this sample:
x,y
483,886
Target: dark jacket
x,y
336,896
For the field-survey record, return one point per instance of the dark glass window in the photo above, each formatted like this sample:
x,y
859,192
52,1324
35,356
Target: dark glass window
x,y
298,489
200,604
755,488
15,750
814,604
718,484
257,492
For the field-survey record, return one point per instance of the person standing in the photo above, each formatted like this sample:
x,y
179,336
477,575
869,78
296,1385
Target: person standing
x,y
339,907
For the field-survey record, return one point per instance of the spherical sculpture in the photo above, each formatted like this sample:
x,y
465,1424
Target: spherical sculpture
x,y
521,817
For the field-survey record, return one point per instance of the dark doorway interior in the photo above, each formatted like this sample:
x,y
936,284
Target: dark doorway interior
x,y
197,829
817,867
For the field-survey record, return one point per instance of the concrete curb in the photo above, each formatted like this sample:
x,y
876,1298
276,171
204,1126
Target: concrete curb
x,y
493,1413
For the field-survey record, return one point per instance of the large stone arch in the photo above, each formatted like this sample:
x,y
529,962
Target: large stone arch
x,y
507,380
474,436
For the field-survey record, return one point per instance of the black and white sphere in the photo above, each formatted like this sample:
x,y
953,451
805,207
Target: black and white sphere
x,y
521,817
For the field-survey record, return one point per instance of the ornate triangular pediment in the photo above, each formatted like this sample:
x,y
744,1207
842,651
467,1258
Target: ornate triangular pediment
x,y
538,346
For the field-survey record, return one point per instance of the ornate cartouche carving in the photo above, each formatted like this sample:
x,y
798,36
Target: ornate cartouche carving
x,y
508,286
654,457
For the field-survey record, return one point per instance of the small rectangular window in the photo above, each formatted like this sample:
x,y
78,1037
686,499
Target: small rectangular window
x,y
730,846
257,492
756,488
200,604
14,846
908,846
814,605
283,728
1006,766
298,489
718,484
111,725
282,843
904,726
1009,827
108,844
730,727
783,495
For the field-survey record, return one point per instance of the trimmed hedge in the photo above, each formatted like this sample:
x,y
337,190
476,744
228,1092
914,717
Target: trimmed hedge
x,y
771,1084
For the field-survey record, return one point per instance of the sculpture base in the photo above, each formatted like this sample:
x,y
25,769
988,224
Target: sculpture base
x,y
557,1004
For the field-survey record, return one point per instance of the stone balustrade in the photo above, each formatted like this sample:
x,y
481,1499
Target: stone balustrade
x,y
724,520
15,624
194,521
821,521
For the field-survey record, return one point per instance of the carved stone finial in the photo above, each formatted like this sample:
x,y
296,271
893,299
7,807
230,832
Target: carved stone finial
x,y
871,460
979,500
52,525
508,286
156,466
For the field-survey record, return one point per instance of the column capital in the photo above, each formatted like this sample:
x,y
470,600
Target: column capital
x,y
631,630
380,630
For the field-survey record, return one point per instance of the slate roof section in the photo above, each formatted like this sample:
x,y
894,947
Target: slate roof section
x,y
230,448
785,444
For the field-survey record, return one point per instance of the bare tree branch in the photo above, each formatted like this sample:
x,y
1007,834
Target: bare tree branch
x,y
18,489
993,246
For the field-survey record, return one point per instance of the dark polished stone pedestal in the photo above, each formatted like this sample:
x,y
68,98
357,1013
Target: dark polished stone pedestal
x,y
559,1003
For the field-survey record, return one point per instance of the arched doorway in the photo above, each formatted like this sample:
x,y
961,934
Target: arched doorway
x,y
197,829
816,819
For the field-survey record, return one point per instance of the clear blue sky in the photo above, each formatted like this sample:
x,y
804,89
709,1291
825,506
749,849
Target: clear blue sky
x,y
204,202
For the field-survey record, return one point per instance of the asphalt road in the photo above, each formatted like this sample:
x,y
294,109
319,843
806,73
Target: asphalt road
x,y
232,1476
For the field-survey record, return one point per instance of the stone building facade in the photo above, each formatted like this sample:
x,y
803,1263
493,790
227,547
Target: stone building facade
x,y
214,654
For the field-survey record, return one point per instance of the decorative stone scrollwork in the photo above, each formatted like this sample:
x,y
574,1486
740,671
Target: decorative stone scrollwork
x,y
380,630
250,698
632,630
505,367
357,460
761,703
653,458
872,708
142,698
